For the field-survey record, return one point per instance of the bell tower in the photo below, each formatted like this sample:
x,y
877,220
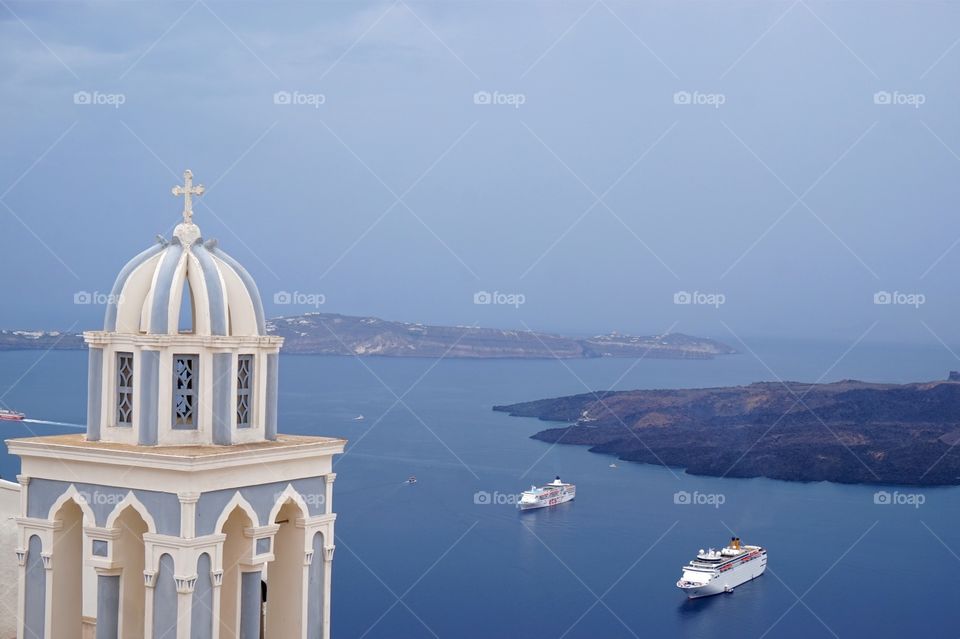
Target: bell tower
x,y
181,505
184,356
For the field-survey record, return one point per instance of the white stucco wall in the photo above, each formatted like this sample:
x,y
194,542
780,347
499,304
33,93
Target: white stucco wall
x,y
9,509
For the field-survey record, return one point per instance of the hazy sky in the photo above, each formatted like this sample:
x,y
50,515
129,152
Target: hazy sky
x,y
623,152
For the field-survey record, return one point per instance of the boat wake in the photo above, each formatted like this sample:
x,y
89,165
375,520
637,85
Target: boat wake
x,y
49,423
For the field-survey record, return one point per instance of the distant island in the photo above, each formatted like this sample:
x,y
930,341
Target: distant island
x,y
334,334
846,432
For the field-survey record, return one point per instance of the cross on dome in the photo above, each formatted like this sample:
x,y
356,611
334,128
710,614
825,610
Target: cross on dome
x,y
188,190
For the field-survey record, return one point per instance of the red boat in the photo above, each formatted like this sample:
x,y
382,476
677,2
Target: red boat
x,y
10,415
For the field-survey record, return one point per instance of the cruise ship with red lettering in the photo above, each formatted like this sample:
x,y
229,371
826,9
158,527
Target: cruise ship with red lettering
x,y
716,571
556,492
10,415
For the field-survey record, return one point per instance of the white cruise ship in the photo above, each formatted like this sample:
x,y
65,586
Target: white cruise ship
x,y
556,492
716,571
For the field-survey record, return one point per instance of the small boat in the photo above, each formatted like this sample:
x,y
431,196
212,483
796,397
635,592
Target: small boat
x,y
358,418
613,465
411,479
11,415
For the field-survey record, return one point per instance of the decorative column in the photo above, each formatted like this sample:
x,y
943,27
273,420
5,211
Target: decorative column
x,y
22,554
216,581
329,478
24,481
188,514
46,558
327,581
149,590
185,587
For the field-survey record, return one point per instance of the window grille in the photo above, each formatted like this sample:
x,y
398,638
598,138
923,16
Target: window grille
x,y
244,388
124,389
185,369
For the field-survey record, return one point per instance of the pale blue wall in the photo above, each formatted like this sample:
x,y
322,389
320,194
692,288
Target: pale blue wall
x,y
250,600
35,592
164,507
201,614
165,601
223,400
94,384
262,498
273,390
108,606
149,404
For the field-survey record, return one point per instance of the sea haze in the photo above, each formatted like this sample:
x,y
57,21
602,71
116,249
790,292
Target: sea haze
x,y
466,564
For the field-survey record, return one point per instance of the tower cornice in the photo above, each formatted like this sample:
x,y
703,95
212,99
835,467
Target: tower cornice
x,y
105,338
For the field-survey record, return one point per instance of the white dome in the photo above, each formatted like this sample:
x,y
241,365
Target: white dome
x,y
148,292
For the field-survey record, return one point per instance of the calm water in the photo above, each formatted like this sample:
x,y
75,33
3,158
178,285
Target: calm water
x,y
425,560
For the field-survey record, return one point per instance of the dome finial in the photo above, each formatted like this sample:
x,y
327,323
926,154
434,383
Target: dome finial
x,y
188,190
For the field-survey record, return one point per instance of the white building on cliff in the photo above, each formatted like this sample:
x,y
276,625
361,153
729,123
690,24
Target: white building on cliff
x,y
181,509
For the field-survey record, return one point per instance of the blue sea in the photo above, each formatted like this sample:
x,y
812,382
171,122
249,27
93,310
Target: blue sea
x,y
451,557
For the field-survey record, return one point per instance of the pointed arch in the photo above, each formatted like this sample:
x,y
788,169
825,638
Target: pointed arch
x,y
289,494
237,501
131,501
74,495
72,513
